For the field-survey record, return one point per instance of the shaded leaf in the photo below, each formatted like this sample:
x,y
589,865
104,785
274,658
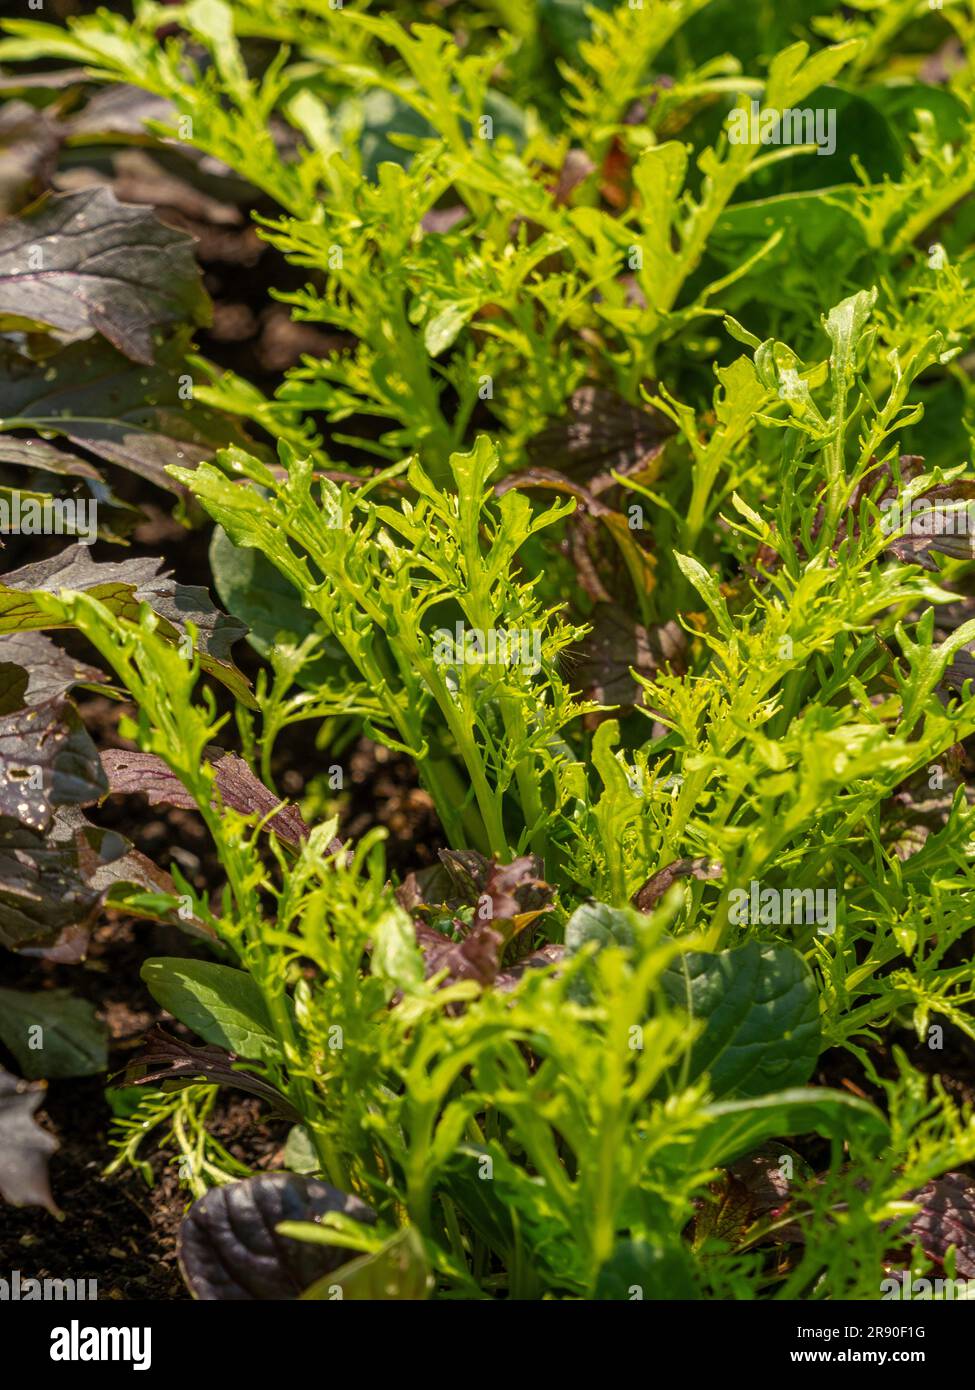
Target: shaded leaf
x,y
71,1041
254,591
53,81
949,618
477,956
752,1194
379,115
29,144
41,454
491,1218
602,924
944,528
732,1128
230,1247
657,1267
599,925
502,893
122,875
599,434
48,508
576,168
586,539
547,955
160,181
618,643
46,902
24,1146
53,884
916,809
85,263
121,110
465,878
505,898
142,418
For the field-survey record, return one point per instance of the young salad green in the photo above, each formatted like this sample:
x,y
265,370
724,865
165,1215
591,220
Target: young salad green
x,y
630,502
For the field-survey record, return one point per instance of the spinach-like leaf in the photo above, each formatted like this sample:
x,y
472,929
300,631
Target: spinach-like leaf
x,y
252,590
52,1034
760,1009
602,924
654,1268
221,1004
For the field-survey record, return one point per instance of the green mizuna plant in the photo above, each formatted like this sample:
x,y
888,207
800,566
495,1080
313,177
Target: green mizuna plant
x,y
401,590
